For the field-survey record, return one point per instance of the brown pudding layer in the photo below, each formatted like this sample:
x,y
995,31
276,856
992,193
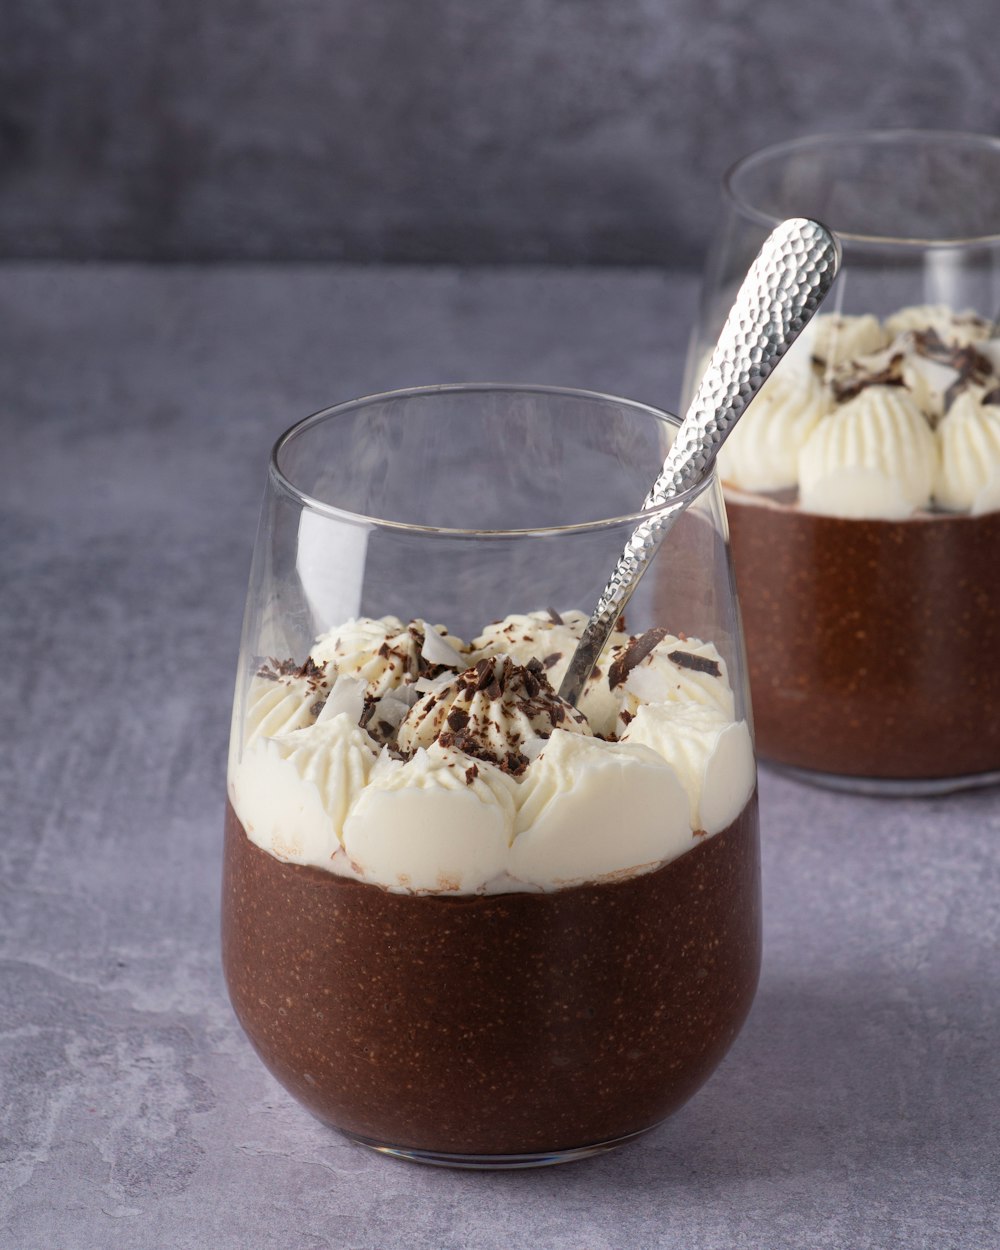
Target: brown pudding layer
x,y
494,1024
873,645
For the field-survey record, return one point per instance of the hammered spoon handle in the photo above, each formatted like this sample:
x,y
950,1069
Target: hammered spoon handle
x,y
783,289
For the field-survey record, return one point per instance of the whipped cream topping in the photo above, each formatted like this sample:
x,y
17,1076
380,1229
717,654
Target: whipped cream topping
x,y
284,697
875,456
439,822
422,769
857,418
658,667
551,638
591,810
497,711
968,478
764,454
835,338
956,328
294,791
711,754
385,653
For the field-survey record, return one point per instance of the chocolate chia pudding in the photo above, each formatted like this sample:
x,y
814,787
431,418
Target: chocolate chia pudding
x,y
863,496
463,918
872,645
494,1024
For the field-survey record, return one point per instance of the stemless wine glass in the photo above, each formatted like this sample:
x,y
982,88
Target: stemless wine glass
x,y
461,922
863,485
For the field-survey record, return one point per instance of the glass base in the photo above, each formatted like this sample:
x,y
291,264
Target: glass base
x,y
495,1163
888,787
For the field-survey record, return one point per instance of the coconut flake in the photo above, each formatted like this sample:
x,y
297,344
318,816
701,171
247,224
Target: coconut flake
x,y
347,695
438,649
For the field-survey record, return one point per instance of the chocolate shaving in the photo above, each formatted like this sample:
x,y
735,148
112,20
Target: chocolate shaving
x,y
311,670
367,712
930,344
554,617
847,388
425,667
515,763
512,762
634,654
969,364
697,663
966,360
275,670
471,773
952,393
551,660
457,719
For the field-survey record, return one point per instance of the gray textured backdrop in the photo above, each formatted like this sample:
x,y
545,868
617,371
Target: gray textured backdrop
x,y
421,130
858,1110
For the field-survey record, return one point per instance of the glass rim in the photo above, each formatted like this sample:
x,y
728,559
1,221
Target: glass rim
x,y
861,139
318,506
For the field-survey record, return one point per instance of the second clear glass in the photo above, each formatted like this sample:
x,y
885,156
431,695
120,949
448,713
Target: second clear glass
x,y
863,485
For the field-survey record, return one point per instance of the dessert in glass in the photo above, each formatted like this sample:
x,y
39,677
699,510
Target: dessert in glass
x,y
465,922
863,483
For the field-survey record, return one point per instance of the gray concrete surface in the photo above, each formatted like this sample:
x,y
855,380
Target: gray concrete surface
x,y
858,1110
532,130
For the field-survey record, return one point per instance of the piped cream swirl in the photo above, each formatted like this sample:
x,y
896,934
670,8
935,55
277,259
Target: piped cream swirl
x,y
497,711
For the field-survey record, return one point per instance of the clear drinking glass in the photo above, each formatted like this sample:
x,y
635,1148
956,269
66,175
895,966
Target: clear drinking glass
x,y
863,485
482,935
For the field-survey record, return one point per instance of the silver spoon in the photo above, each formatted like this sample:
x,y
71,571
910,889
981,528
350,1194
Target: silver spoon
x,y
785,285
